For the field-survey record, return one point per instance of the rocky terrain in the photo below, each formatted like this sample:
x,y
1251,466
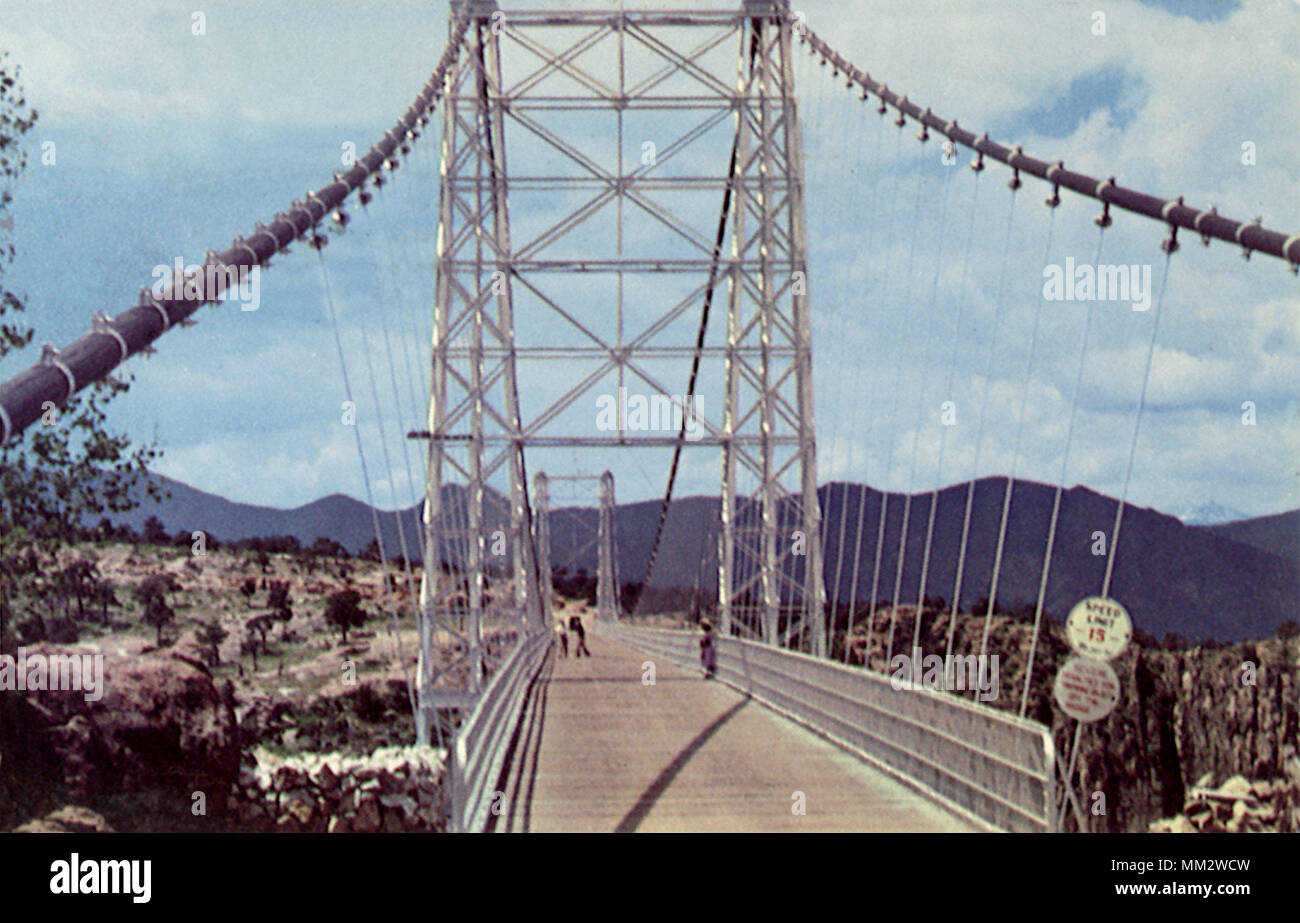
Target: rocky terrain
x,y
1222,711
163,731
165,746
1240,806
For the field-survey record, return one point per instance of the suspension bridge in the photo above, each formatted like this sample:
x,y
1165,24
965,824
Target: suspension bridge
x,y
621,219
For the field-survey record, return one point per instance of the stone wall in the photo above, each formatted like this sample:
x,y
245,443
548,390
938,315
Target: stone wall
x,y
392,790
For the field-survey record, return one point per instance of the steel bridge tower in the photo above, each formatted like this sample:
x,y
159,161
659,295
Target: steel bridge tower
x,y
621,199
606,563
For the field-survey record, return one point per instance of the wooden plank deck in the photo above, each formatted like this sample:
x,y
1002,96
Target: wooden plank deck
x,y
599,751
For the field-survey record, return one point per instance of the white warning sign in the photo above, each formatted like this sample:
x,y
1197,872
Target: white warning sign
x,y
1098,627
1086,689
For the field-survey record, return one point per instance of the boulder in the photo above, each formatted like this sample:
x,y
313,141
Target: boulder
x,y
69,819
1234,788
161,724
77,819
40,826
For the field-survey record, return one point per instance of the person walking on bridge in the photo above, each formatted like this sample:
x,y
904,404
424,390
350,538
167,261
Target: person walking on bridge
x,y
561,638
575,625
708,651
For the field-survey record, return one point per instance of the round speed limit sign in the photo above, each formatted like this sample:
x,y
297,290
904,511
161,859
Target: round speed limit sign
x,y
1099,628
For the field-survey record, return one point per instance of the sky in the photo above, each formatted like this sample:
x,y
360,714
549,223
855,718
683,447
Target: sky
x,y
154,142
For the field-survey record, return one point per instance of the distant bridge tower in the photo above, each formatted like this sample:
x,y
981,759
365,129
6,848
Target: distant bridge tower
x,y
606,558
674,76
607,605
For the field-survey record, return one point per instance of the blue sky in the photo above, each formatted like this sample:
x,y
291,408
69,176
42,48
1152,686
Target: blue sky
x,y
169,143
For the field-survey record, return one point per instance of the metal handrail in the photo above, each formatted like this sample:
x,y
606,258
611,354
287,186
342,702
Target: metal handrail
x,y
478,751
990,766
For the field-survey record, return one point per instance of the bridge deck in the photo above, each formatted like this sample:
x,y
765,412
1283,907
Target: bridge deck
x,y
600,751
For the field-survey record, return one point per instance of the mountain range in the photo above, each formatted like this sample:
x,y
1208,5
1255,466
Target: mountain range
x,y
1227,582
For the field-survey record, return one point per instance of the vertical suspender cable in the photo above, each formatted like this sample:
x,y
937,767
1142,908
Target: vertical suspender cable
x,y
916,421
365,475
947,393
979,433
1015,459
1137,425
884,496
855,426
893,413
1060,486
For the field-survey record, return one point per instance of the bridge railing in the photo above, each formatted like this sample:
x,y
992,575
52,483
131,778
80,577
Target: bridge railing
x,y
479,750
987,765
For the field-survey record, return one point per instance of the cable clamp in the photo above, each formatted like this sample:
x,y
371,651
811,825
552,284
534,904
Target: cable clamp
x,y
978,163
101,323
901,120
1170,244
240,244
299,206
260,228
924,134
147,300
1245,250
1286,252
324,209
1103,220
1054,199
1201,216
285,218
50,356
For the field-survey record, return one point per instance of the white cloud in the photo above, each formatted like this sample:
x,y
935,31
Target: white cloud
x,y
1229,332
